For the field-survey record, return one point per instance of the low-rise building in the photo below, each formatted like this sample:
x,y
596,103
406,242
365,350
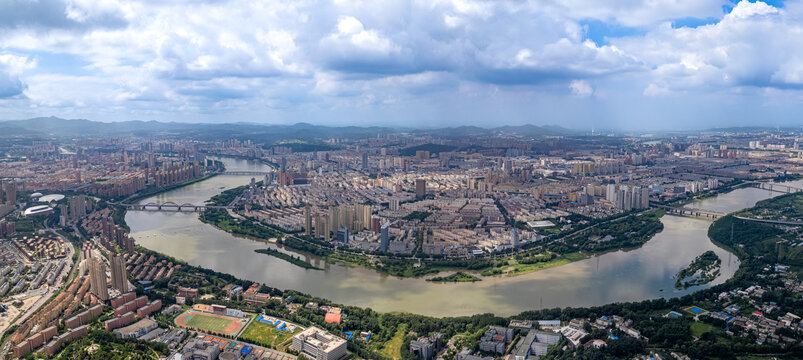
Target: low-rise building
x,y
187,293
319,344
198,349
425,347
495,339
172,309
466,354
535,344
572,334
136,329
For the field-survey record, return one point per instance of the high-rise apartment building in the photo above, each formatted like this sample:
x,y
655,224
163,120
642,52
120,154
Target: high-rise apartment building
x,y
420,188
375,223
78,205
307,221
10,189
119,278
321,227
97,278
634,197
610,193
384,239
343,235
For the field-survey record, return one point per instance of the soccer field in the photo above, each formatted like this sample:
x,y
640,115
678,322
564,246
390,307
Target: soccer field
x,y
212,323
207,322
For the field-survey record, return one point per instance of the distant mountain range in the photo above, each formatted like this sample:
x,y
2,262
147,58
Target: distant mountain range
x,y
734,129
53,127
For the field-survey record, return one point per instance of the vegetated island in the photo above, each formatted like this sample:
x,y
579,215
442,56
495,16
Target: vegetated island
x,y
704,269
287,257
456,277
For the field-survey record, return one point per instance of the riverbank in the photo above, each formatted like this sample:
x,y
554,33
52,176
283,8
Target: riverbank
x,y
226,197
289,258
516,267
647,317
249,158
729,187
221,219
759,244
612,276
456,277
153,191
620,233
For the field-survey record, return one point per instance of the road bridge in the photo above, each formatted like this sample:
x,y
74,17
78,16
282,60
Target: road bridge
x,y
692,212
251,173
775,187
170,206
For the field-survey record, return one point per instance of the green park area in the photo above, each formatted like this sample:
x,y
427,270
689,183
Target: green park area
x,y
267,335
393,346
456,277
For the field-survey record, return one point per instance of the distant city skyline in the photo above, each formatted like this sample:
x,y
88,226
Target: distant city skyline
x,y
625,65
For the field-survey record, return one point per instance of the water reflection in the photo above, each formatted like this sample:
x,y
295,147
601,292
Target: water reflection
x,y
633,275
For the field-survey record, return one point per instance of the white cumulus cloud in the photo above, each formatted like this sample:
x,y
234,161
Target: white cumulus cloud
x,y
150,58
581,88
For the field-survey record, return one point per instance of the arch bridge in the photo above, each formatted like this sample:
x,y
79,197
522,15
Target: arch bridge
x,y
170,206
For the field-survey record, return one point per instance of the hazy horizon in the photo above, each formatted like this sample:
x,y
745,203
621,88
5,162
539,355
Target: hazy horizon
x,y
570,130
625,65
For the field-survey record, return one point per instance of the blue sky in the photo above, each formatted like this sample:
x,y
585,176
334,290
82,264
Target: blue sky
x,y
628,64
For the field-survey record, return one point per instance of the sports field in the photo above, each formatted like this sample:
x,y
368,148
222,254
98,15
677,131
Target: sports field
x,y
216,324
262,333
695,310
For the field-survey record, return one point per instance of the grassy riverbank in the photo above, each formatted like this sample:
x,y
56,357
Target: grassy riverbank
x,y
515,267
295,260
226,197
759,244
392,331
787,207
221,219
456,277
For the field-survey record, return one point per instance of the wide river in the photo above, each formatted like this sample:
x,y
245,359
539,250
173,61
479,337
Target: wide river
x,y
643,273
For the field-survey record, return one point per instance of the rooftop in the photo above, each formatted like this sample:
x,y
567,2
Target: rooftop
x,y
320,339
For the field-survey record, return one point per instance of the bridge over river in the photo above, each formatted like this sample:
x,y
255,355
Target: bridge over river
x,y
775,187
249,173
693,212
170,206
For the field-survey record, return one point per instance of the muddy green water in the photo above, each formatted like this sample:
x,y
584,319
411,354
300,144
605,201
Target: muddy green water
x,y
643,273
